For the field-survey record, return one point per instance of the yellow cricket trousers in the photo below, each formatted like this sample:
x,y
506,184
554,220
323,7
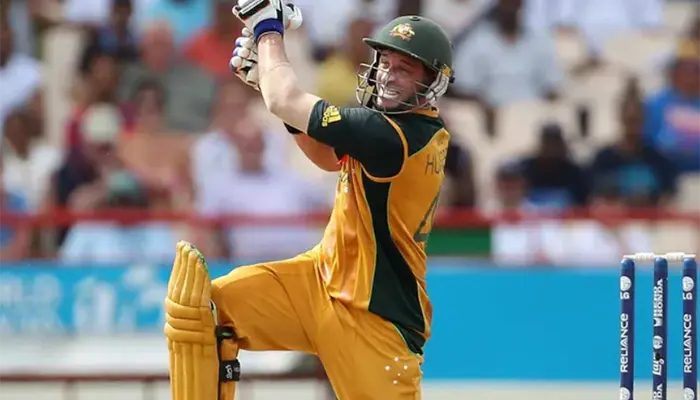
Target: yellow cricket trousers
x,y
284,306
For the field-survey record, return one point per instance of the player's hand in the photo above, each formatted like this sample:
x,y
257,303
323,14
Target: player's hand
x,y
265,16
244,62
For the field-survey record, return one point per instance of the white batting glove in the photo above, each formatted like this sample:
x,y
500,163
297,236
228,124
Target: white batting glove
x,y
244,62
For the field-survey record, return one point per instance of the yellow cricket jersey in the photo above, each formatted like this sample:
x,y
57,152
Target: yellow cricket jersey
x,y
372,255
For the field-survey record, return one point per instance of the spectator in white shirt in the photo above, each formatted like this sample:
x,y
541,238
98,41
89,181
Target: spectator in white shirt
x,y
28,163
213,151
236,173
502,61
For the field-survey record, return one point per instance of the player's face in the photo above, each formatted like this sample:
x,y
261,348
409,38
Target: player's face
x,y
399,78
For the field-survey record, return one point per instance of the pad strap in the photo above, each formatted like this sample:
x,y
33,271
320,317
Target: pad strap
x,y
229,370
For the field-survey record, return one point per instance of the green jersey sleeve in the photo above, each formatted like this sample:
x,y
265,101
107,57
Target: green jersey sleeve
x,y
362,134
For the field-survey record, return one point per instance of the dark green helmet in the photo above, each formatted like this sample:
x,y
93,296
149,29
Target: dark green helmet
x,y
418,37
415,37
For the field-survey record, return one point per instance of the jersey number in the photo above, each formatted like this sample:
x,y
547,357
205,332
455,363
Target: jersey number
x,y
426,225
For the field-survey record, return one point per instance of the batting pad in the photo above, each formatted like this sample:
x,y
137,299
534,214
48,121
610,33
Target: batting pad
x,y
190,328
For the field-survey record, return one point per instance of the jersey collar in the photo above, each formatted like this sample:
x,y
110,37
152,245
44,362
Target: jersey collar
x,y
428,112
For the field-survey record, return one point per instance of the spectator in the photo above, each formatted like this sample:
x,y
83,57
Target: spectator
x,y
189,90
32,174
237,174
81,166
165,174
115,37
213,151
112,186
20,75
98,86
554,181
637,173
502,61
210,48
28,163
672,117
337,76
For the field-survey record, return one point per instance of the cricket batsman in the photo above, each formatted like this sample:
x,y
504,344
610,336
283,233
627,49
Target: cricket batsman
x,y
358,300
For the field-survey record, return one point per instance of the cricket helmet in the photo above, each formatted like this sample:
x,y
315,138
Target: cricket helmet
x,y
416,37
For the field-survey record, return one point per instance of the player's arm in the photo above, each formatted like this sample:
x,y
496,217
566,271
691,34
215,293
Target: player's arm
x,y
279,84
283,98
374,140
244,64
322,155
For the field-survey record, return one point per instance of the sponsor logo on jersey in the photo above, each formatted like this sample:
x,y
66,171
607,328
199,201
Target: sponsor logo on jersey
x,y
330,115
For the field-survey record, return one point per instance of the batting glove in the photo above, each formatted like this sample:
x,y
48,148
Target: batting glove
x,y
263,16
244,60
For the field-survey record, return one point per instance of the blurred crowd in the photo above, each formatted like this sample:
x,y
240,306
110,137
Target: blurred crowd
x,y
155,122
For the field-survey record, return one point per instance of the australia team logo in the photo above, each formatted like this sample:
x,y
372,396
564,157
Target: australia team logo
x,y
403,31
